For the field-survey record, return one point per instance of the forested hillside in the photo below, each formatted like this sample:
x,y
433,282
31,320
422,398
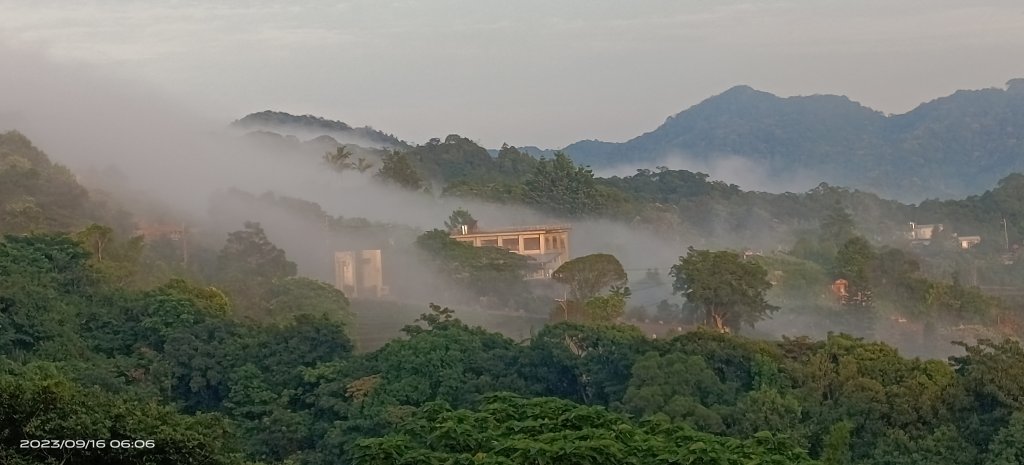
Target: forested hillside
x,y
174,366
38,194
229,355
950,147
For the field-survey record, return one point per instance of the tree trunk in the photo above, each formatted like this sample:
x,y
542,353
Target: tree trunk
x,y
719,320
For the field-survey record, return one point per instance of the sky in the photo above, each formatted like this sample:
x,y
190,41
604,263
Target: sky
x,y
526,72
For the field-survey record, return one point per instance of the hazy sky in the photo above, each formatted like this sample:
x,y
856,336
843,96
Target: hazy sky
x,y
529,72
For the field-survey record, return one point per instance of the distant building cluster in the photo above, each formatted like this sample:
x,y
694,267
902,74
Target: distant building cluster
x,y
923,234
360,274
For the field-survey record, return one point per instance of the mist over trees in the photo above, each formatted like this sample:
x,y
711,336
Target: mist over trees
x,y
228,351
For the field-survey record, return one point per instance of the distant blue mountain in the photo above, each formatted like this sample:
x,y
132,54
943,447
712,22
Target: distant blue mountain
x,y
949,147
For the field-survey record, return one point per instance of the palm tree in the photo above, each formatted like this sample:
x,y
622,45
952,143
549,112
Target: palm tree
x,y
340,160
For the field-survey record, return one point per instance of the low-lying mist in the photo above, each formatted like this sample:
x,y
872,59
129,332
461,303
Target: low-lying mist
x,y
730,168
126,138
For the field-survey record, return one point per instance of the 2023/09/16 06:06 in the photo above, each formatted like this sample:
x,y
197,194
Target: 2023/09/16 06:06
x,y
87,444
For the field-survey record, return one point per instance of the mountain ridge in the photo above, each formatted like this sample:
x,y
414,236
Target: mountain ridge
x,y
949,146
312,127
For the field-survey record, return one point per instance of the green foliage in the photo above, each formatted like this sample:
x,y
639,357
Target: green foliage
x,y
248,264
589,275
448,361
36,271
35,194
1008,446
459,218
38,404
678,386
209,299
507,429
396,169
293,392
853,262
837,227
487,271
559,186
341,160
607,308
139,356
289,297
584,363
836,450
731,291
456,158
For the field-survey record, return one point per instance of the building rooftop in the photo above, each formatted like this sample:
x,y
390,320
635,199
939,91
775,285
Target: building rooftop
x,y
515,230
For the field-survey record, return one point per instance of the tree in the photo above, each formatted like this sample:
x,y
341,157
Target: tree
x,y
560,186
117,260
249,252
588,276
730,291
1008,446
836,450
515,163
509,429
486,271
585,363
681,387
607,308
38,403
853,263
459,218
288,297
397,169
96,237
837,226
248,265
340,159
363,165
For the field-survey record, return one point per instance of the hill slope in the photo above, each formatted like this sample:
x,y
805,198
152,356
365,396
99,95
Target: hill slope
x,y
949,147
309,126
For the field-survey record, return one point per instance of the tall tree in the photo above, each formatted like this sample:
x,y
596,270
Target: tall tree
x,y
837,226
853,263
340,159
397,169
558,185
589,275
96,237
249,264
730,291
460,218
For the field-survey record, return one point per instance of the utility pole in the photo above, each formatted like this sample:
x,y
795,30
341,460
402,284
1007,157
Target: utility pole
x,y
1006,236
327,243
184,244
